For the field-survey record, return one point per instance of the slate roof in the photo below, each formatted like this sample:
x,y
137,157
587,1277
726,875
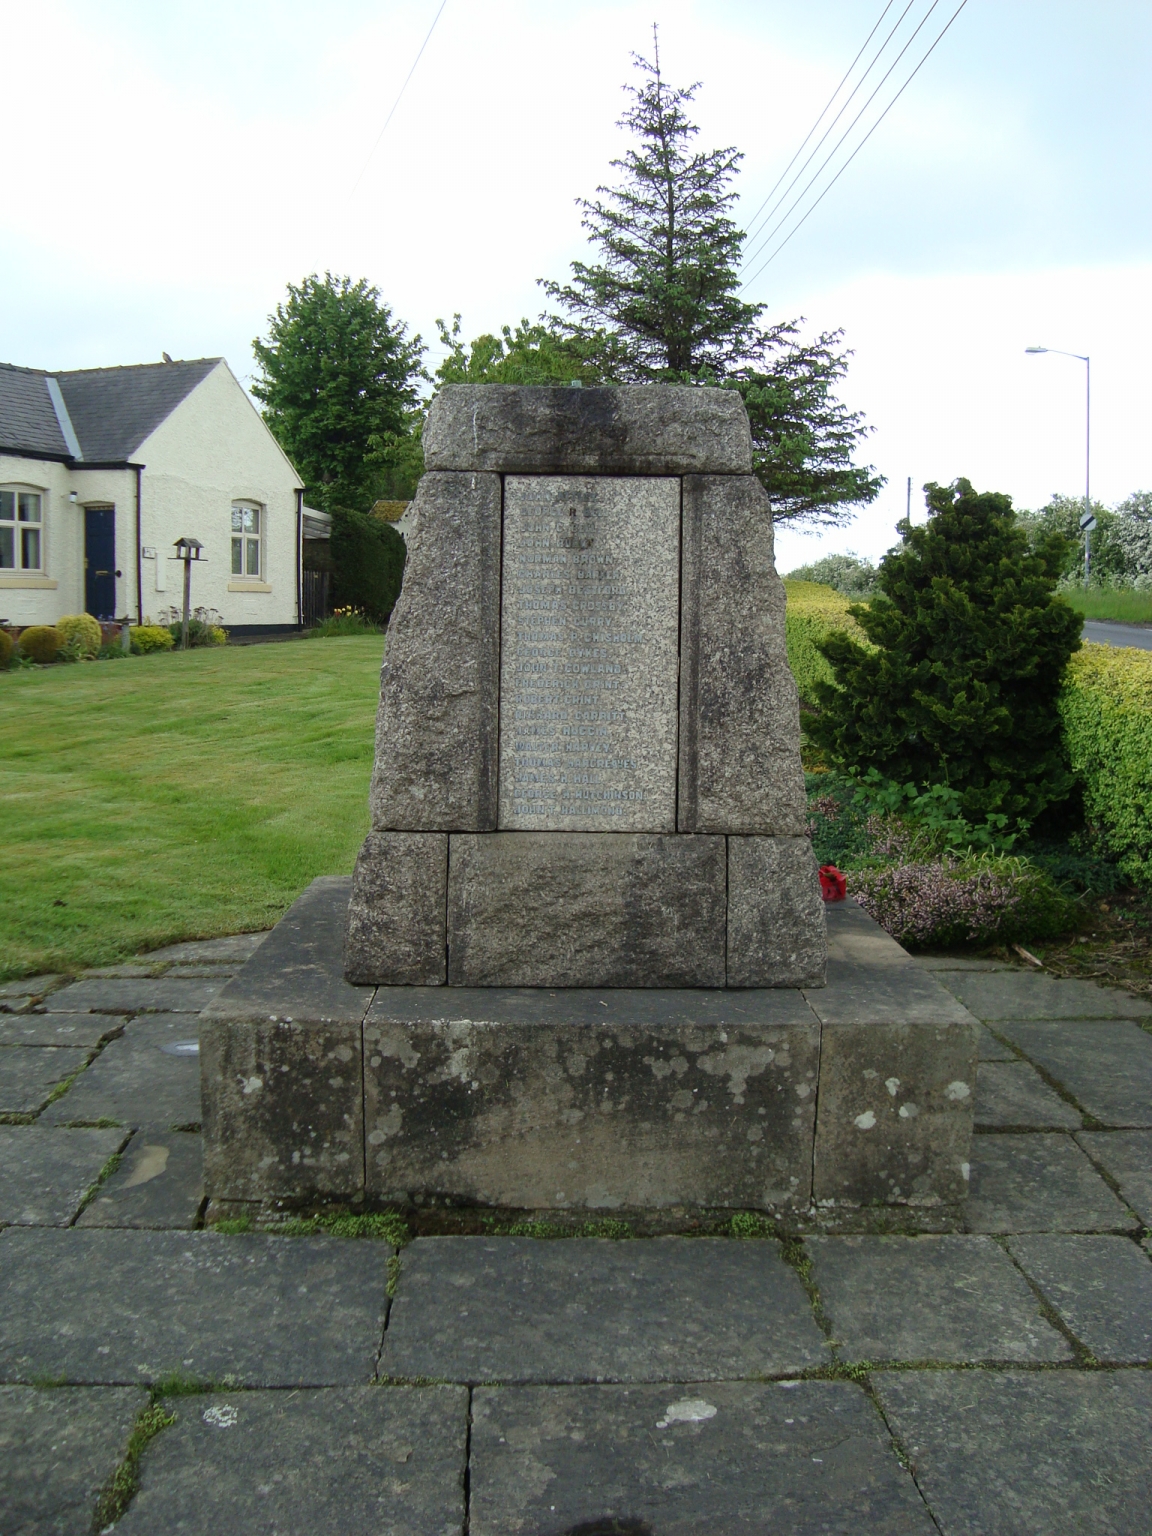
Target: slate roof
x,y
112,409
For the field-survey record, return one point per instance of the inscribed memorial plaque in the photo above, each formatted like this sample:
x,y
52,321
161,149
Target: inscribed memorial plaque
x,y
589,654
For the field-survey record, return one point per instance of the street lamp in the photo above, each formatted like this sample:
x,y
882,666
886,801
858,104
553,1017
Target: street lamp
x,y
1087,521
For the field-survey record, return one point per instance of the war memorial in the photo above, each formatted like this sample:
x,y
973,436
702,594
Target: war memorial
x,y
583,964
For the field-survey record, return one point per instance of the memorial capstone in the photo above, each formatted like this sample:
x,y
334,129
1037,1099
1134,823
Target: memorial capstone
x,y
588,744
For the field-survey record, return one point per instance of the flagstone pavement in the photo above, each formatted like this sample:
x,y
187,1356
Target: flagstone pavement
x,y
159,1377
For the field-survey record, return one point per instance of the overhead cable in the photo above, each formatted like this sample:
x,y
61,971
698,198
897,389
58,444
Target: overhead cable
x,y
855,152
399,93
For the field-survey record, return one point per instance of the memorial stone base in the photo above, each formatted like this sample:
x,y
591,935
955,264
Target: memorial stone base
x,y
788,1101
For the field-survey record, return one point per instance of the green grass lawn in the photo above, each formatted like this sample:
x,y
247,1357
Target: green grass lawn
x,y
1122,605
179,795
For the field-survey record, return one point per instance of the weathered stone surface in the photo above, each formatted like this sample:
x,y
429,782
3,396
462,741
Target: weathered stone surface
x,y
991,1049
84,1031
297,972
1013,1094
591,1309
1016,1453
235,946
963,963
134,1307
589,654
27,986
739,713
596,909
776,932
953,1298
894,1121
1039,1183
810,1458
539,1100
436,728
134,995
647,429
351,1462
29,1074
1106,1066
396,933
283,1109
1127,1158
159,1183
149,1075
45,1174
1027,995
1102,1288
872,980
58,1447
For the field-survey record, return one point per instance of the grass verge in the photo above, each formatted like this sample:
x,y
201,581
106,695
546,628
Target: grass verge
x,y
187,795
1121,605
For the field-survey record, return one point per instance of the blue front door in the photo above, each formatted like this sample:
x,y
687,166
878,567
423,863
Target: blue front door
x,y
100,561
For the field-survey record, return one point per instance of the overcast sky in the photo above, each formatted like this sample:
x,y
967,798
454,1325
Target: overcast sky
x,y
168,168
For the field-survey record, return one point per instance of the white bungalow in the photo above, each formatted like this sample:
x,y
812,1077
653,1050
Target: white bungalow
x,y
103,469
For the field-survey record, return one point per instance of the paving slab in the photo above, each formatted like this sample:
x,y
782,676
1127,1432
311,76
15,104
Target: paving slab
x,y
233,947
127,1308
587,1309
222,971
58,1447
119,972
730,1457
963,963
1107,1067
45,1174
1039,1182
27,986
1127,1157
355,1461
1029,995
159,1183
29,1073
1037,1453
1011,1093
149,1075
81,1030
19,1004
135,995
945,1298
991,1049
1101,1286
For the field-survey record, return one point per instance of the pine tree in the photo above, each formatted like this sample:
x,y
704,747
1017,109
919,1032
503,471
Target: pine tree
x,y
664,304
968,645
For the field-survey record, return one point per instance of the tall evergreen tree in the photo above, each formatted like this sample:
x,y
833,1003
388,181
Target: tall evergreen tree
x,y
664,304
968,645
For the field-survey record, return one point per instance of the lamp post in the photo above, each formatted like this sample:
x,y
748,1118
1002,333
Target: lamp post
x,y
1087,521
187,550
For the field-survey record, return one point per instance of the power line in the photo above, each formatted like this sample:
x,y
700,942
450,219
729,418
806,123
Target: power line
x,y
836,119
396,103
815,177
858,148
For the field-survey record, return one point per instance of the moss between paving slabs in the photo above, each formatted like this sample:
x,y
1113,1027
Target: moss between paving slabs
x,y
118,1492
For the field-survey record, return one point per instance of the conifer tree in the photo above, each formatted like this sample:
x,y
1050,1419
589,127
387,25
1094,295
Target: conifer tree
x,y
968,645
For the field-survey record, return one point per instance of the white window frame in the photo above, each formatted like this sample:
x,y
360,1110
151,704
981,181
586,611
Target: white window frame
x,y
19,526
245,541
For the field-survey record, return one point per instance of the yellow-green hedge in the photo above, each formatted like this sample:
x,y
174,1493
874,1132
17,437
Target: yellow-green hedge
x,y
1106,707
813,611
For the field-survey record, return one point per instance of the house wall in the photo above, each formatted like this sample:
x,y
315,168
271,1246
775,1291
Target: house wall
x,y
211,451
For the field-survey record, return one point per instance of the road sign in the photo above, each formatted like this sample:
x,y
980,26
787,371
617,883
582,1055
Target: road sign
x,y
1087,522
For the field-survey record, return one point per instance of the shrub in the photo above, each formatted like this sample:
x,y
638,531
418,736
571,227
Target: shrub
x,y
7,645
84,630
150,637
944,903
813,612
970,643
40,643
847,573
1106,710
368,558
200,632
344,621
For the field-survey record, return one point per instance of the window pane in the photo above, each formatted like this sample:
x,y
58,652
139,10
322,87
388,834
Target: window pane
x,y
253,557
251,520
7,548
29,507
8,506
30,540
237,557
237,520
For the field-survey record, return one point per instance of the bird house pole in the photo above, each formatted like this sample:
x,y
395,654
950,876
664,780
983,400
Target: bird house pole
x,y
187,550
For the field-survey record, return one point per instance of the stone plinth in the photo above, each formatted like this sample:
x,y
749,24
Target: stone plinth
x,y
785,1099
589,646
